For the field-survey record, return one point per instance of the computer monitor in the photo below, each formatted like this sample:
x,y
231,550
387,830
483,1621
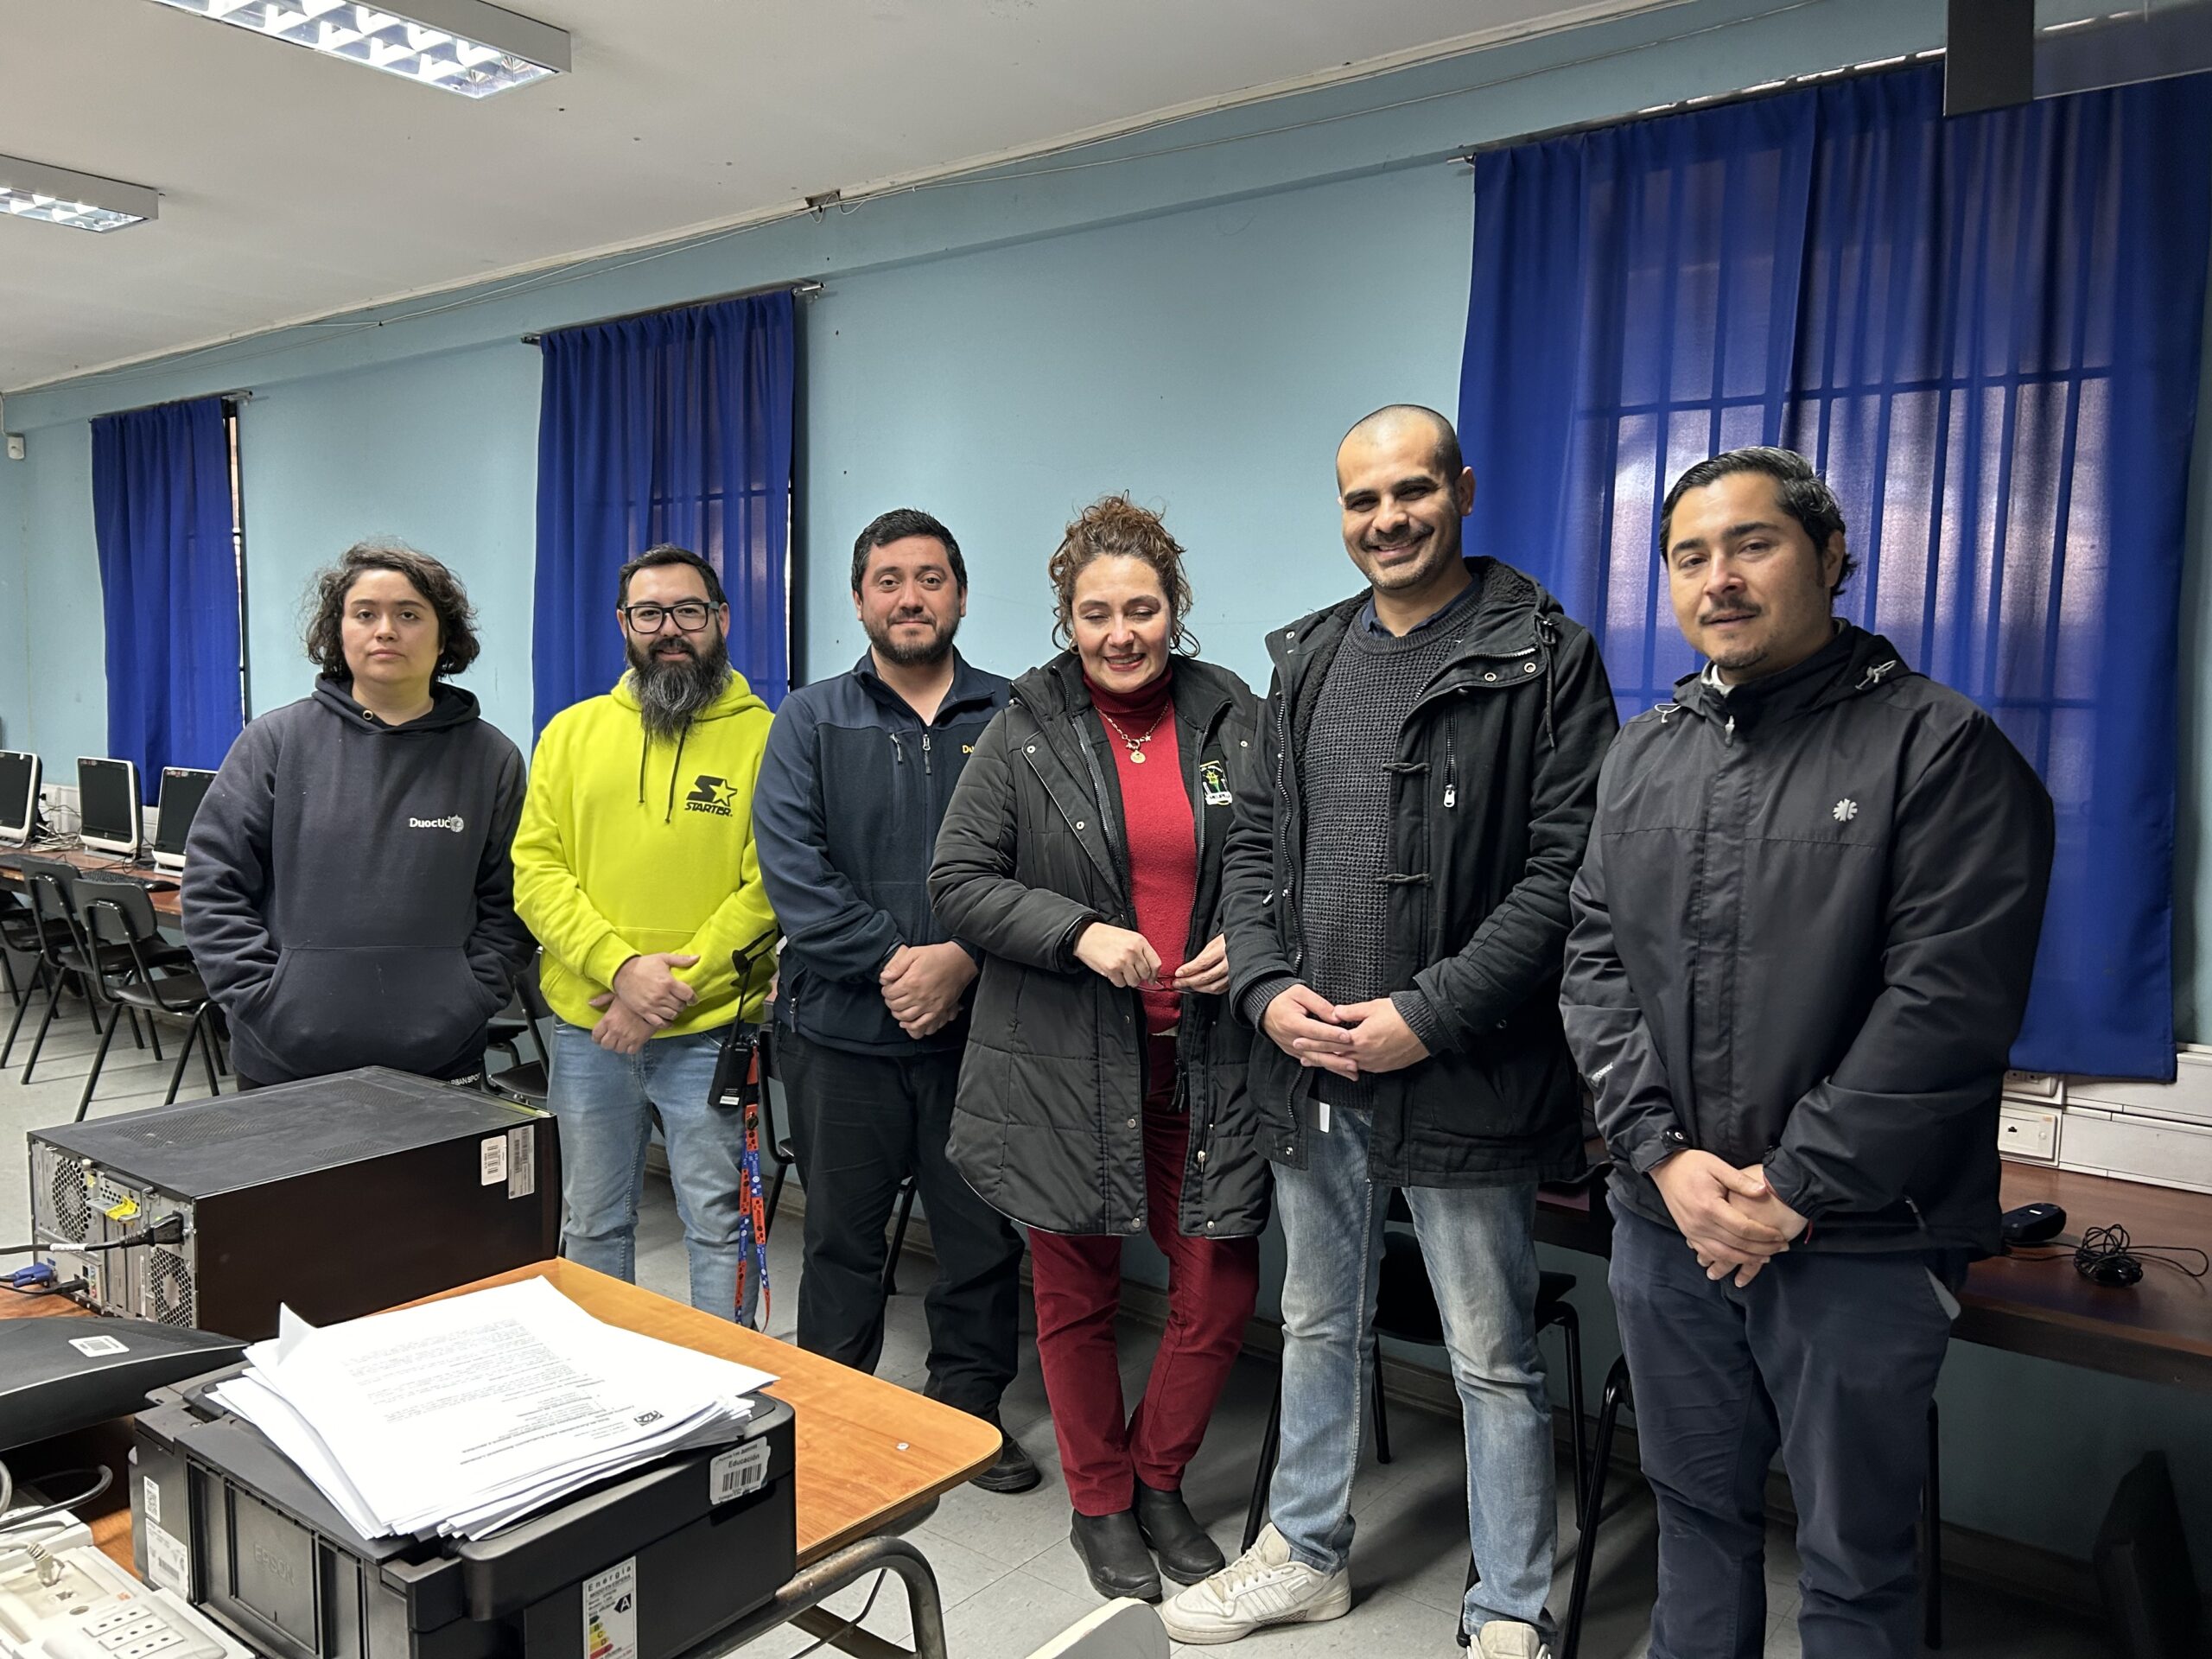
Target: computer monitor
x,y
107,804
183,789
18,796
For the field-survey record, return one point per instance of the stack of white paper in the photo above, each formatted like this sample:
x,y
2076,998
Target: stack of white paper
x,y
459,1416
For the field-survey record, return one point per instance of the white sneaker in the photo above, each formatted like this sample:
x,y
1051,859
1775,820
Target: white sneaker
x,y
1262,1587
1506,1639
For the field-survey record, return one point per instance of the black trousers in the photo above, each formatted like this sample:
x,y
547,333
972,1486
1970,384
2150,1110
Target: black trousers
x,y
860,1124
1830,1357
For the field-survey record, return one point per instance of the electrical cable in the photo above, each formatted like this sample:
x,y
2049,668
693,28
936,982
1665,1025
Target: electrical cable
x,y
106,1478
2104,1250
169,1229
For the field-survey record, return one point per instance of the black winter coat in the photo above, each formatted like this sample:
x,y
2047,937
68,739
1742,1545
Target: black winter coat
x,y
1498,775
1049,1122
1803,938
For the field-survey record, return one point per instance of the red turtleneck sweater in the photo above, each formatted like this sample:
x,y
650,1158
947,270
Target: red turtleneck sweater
x,y
1162,841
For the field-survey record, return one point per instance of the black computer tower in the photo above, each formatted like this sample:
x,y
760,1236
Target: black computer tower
x,y
337,1197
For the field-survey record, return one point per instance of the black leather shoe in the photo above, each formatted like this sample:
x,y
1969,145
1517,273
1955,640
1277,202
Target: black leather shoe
x,y
1015,1469
1113,1552
1186,1555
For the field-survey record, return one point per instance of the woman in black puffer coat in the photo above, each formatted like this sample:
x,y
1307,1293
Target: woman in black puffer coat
x,y
1103,1090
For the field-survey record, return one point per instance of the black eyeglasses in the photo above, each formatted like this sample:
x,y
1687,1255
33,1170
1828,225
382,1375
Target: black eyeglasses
x,y
691,616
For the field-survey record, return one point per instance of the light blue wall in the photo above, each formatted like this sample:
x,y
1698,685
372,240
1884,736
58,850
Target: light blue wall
x,y
15,617
1003,390
441,452
63,713
1195,325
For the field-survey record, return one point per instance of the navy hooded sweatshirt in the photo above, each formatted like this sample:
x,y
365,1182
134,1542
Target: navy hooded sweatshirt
x,y
347,891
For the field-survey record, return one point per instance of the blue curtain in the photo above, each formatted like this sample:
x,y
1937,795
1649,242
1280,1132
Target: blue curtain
x,y
168,585
1986,333
675,427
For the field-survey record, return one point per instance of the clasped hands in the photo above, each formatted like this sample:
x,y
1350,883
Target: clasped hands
x,y
1350,1039
1125,957
1729,1217
647,997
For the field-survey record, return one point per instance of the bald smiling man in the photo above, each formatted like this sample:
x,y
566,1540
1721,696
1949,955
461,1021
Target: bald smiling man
x,y
1395,888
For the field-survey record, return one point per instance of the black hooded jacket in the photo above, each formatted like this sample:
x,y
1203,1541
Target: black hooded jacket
x,y
1803,936
348,892
1498,774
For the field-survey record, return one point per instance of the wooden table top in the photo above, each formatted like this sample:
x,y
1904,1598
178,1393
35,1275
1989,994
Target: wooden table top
x,y
2035,1302
869,1451
168,905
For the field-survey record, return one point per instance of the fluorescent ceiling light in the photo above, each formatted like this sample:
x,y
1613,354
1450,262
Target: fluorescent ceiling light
x,y
463,46
32,190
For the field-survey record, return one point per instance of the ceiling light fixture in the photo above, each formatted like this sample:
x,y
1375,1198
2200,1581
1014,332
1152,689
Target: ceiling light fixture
x,y
81,200
462,46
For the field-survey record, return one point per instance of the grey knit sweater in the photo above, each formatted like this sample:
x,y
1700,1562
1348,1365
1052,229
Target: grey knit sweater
x,y
1343,769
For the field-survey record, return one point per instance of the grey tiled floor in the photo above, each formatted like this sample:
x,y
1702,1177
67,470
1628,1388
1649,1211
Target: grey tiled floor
x,y
1009,1580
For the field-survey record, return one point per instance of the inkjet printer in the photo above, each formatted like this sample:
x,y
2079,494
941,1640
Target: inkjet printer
x,y
646,1566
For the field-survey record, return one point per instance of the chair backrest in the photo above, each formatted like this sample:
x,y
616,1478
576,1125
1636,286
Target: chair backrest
x,y
1120,1630
52,886
115,911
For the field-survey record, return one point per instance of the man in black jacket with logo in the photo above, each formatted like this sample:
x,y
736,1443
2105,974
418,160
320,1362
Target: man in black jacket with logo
x,y
871,1013
1801,947
1395,894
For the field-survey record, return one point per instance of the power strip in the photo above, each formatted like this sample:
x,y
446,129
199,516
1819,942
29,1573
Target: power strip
x,y
69,1601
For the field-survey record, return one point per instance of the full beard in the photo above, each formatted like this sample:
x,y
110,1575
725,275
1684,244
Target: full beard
x,y
922,653
674,690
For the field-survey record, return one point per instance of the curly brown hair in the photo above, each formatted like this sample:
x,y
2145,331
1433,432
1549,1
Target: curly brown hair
x,y
326,642
1116,527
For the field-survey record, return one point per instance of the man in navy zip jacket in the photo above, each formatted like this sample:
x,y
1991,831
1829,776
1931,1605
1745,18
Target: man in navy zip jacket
x,y
871,1013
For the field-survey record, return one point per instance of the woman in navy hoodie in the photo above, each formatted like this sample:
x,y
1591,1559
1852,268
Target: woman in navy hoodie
x,y
347,892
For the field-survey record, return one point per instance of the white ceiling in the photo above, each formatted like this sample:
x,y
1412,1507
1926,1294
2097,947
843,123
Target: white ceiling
x,y
294,186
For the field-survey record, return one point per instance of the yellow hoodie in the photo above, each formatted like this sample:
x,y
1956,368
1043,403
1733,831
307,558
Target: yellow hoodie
x,y
628,847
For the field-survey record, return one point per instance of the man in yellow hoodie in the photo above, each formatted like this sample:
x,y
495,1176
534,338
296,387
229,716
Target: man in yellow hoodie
x,y
634,867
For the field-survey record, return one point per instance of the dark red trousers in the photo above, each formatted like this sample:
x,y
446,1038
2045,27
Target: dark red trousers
x,y
1211,1286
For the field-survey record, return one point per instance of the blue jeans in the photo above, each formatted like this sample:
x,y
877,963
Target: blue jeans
x,y
1829,1357
606,1103
1479,1244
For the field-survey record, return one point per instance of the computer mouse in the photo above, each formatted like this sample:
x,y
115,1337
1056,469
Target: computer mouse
x,y
2033,1224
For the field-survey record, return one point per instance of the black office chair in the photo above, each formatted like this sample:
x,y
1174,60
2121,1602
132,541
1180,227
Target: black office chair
x,y
523,1020
18,937
137,973
1618,1393
65,959
1405,1309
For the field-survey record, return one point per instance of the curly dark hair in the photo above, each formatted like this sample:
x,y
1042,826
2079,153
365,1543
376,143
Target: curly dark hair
x,y
1116,527
326,641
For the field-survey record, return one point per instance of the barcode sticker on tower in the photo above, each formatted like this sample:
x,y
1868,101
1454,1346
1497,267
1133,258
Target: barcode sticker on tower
x,y
522,1161
168,1563
492,1161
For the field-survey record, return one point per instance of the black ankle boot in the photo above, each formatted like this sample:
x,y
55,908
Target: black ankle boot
x,y
1113,1552
1186,1555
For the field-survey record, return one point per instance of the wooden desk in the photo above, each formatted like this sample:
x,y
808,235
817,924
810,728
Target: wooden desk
x,y
2159,1331
869,1451
169,905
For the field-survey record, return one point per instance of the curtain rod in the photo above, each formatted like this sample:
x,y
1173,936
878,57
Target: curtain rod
x,y
800,291
1709,101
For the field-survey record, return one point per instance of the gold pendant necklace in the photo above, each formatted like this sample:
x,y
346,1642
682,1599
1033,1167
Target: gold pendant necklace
x,y
1134,745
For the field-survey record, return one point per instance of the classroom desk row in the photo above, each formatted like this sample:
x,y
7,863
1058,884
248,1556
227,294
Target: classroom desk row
x,y
168,904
